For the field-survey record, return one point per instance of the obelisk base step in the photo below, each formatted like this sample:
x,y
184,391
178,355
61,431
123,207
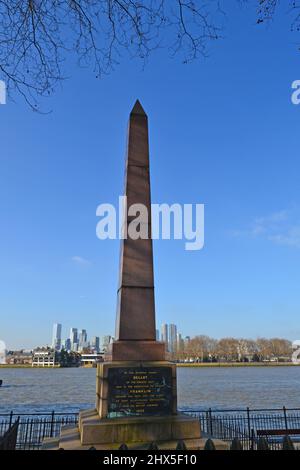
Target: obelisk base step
x,y
70,440
94,430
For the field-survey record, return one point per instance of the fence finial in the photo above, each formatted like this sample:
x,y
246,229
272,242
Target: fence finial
x,y
123,447
153,446
236,444
262,444
287,443
181,446
209,445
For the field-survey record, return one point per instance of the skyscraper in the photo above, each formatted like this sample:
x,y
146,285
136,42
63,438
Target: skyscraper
x,y
95,343
74,338
82,342
179,342
105,340
165,335
172,338
67,344
56,336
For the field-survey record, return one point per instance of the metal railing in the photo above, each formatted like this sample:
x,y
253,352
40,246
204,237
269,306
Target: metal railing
x,y
235,444
35,427
248,426
9,439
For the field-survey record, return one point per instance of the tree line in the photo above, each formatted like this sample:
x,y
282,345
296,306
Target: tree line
x,y
205,349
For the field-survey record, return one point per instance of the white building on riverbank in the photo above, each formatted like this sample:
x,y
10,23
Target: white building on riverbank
x,y
44,358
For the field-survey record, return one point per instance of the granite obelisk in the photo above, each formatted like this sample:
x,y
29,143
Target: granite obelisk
x,y
136,389
136,392
135,324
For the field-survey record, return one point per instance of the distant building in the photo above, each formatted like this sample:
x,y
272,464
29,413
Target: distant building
x,y
44,357
66,345
56,337
95,343
2,352
179,342
157,335
82,340
90,359
165,335
19,357
105,340
74,338
172,338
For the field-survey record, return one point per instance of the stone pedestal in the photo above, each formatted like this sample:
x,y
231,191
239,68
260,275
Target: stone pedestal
x,y
126,389
136,402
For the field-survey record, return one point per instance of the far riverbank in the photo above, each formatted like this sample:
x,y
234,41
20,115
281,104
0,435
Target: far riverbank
x,y
24,366
181,364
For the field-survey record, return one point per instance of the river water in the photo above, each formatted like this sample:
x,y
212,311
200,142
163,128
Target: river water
x,y
64,390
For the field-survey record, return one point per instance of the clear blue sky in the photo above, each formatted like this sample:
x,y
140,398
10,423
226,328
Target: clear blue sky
x,y
223,132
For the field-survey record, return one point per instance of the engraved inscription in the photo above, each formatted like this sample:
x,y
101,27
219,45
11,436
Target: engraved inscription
x,y
141,391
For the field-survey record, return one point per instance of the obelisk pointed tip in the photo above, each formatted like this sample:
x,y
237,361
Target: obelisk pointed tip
x,y
138,109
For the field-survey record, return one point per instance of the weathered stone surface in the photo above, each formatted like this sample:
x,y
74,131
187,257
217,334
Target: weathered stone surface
x,y
136,271
136,307
51,443
70,440
136,351
137,186
94,430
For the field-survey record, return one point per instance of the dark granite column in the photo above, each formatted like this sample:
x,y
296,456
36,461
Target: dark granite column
x,y
135,325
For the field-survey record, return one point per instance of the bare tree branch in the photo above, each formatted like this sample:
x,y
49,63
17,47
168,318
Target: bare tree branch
x,y
37,36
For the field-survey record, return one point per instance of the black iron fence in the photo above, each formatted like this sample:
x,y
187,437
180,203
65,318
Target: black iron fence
x,y
9,439
235,444
248,426
34,428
